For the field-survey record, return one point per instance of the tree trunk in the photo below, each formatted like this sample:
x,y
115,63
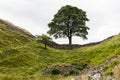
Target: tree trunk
x,y
45,44
70,40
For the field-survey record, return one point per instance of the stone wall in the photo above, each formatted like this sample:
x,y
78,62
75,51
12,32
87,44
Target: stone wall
x,y
73,46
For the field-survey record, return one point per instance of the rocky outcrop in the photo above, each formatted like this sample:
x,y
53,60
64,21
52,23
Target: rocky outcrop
x,y
96,73
65,70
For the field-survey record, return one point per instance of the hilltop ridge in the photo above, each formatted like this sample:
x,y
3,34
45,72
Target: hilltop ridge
x,y
14,28
11,35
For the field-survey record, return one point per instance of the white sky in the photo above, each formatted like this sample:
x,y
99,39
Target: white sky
x,y
34,15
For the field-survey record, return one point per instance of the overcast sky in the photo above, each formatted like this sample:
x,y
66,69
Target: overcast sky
x,y
34,15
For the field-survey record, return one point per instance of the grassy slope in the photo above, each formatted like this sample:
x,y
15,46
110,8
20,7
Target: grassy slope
x,y
28,61
23,59
10,38
15,28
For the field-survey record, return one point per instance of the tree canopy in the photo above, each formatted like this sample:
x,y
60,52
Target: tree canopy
x,y
69,21
44,38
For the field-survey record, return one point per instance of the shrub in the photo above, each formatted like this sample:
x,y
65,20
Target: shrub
x,y
55,71
110,73
106,68
80,66
72,72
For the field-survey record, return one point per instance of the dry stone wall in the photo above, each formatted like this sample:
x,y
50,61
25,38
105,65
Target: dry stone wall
x,y
73,46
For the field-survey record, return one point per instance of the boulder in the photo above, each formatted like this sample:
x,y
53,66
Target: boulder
x,y
95,75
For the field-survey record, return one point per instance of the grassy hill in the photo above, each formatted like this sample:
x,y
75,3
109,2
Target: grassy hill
x,y
23,58
11,36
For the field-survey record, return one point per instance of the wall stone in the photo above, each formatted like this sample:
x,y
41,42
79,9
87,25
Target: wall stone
x,y
73,46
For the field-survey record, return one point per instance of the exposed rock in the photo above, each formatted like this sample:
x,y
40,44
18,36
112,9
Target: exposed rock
x,y
112,78
72,78
65,70
95,75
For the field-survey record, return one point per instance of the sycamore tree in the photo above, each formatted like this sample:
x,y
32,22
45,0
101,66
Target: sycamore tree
x,y
44,38
69,21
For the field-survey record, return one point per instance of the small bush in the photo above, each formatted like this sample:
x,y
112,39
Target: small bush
x,y
80,66
106,68
110,73
72,72
55,71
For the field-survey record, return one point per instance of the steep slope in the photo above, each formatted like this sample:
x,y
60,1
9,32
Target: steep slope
x,y
14,28
11,35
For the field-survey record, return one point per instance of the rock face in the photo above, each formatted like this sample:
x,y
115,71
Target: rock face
x,y
95,75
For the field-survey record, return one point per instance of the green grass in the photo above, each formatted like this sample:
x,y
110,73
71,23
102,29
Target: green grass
x,y
10,38
22,58
29,60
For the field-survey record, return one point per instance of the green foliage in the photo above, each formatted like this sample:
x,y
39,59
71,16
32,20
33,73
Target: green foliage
x,y
22,58
44,38
72,72
80,66
110,73
108,68
30,59
55,71
69,21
